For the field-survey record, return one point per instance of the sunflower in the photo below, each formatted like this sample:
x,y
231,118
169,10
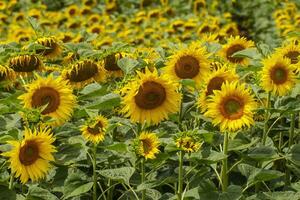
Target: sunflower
x,y
111,65
214,82
25,64
7,77
72,11
188,144
148,145
52,45
94,130
235,44
277,75
54,95
29,158
150,98
83,73
290,51
188,63
231,107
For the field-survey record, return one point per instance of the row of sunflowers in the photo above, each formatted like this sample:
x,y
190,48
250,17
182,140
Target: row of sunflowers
x,y
157,99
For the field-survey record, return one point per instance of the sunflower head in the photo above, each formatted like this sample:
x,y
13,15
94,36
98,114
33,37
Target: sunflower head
x,y
290,51
7,77
231,107
29,158
83,73
277,75
150,98
214,82
52,47
235,44
188,63
25,64
147,145
53,96
188,141
111,65
94,130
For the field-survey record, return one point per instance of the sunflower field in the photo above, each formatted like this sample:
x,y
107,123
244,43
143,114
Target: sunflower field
x,y
149,100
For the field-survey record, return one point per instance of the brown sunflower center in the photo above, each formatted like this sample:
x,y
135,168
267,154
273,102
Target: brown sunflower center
x,y
279,75
187,67
46,96
29,153
232,108
110,63
233,49
214,84
2,76
147,145
96,129
150,95
83,71
25,63
293,56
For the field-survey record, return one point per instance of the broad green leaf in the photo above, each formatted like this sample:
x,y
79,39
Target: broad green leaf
x,y
76,184
188,82
120,147
105,102
233,192
91,90
37,193
80,190
127,65
262,153
123,173
247,53
295,154
7,194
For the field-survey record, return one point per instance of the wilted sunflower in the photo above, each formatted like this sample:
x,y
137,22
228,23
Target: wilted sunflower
x,y
148,144
235,44
94,130
188,144
111,65
25,64
188,63
150,98
7,77
29,158
213,82
52,45
231,107
84,72
54,95
277,75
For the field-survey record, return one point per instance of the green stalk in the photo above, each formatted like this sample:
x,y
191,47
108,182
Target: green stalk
x,y
11,181
224,170
291,142
264,140
180,175
143,176
94,171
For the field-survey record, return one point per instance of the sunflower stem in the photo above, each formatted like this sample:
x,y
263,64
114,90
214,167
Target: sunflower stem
x,y
265,133
290,144
224,170
11,181
94,171
180,175
143,176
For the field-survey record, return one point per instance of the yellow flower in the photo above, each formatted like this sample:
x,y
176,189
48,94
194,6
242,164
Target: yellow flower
x,y
29,158
94,130
188,63
231,107
26,64
7,77
53,95
150,98
188,144
290,51
111,65
214,82
148,145
277,75
235,44
52,45
83,73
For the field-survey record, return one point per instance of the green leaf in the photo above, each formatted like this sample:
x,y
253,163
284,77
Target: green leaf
x,y
6,193
34,23
76,184
247,53
37,193
127,65
233,192
105,102
188,82
262,153
295,154
80,190
120,147
92,90
239,144
123,173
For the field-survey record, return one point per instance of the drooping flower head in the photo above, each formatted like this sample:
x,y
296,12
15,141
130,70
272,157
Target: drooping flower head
x,y
94,130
